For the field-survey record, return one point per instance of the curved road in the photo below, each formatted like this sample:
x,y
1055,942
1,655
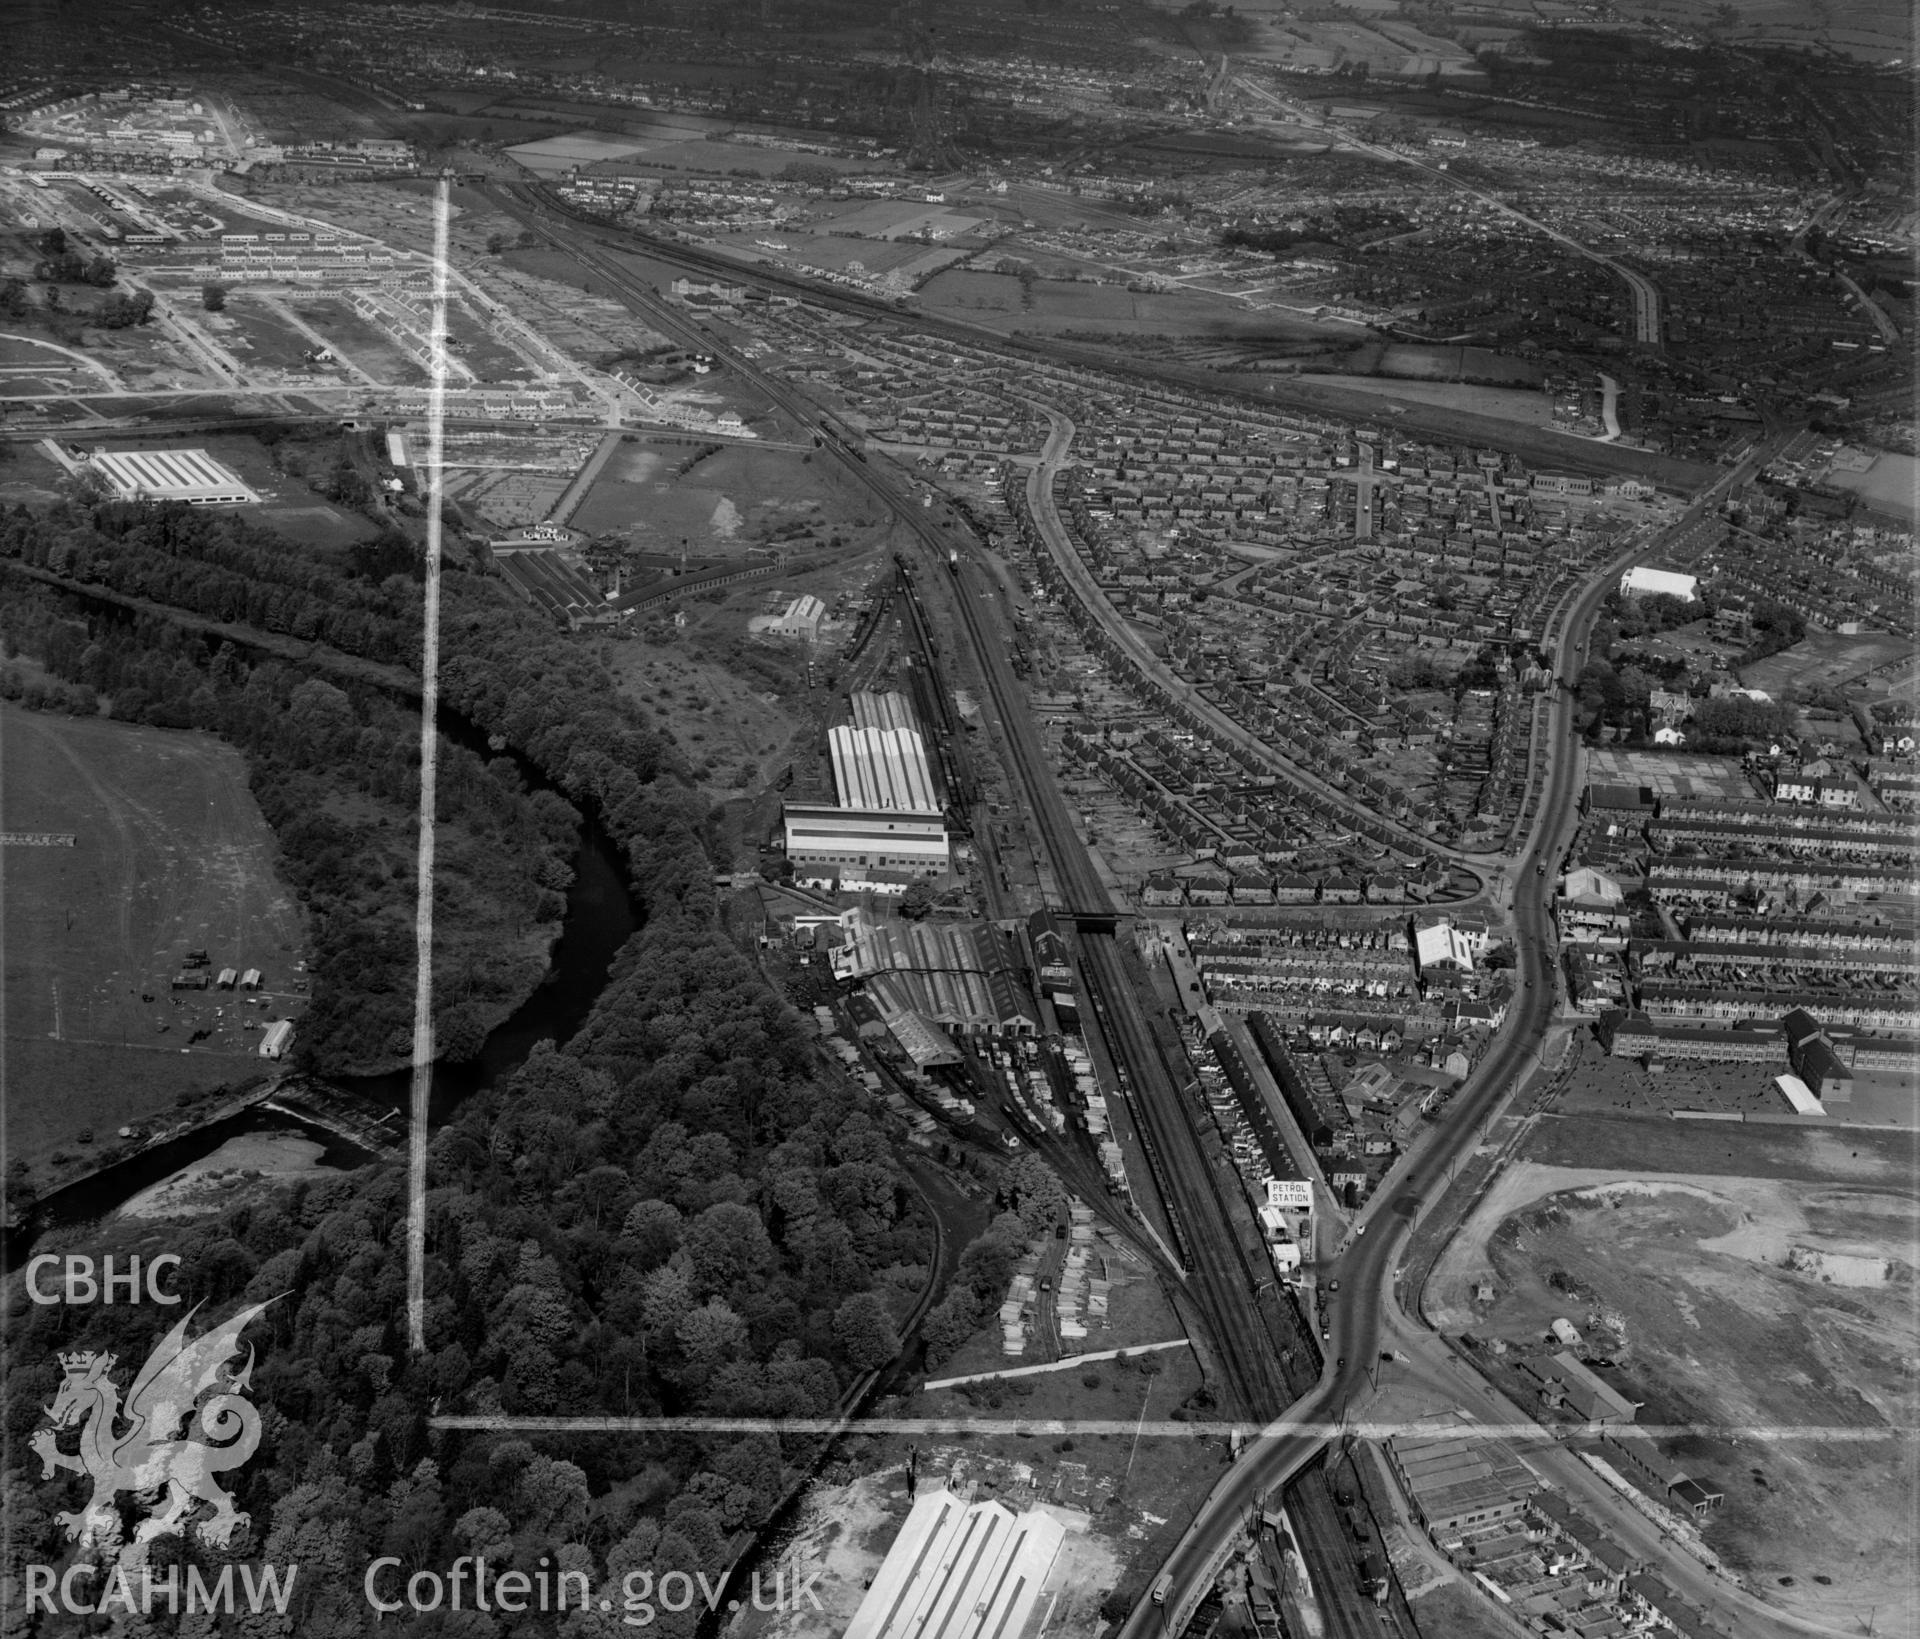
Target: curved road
x,y
1366,1269
1646,299
1046,519
1368,1317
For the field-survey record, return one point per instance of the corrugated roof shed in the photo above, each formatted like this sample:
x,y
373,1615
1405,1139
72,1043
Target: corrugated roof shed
x,y
882,768
958,1570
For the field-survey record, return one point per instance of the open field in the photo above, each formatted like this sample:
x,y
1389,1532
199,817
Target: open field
x,y
1716,1147
1733,1302
317,523
561,154
265,1160
738,707
138,356
1521,404
1891,485
895,218
1420,363
712,157
1824,660
261,340
170,855
31,351
59,1089
835,252
719,506
1057,306
472,341
355,338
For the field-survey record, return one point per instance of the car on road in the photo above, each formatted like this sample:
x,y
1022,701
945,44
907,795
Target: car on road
x,y
1325,1335
1333,1286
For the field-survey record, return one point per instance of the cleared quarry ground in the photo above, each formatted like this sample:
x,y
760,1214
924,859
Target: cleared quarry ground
x,y
1750,1302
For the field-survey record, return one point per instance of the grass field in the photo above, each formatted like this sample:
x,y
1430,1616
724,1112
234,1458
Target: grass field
x,y
171,854
315,523
354,338
1822,660
739,709
1533,408
581,148
475,345
259,338
720,506
836,252
63,1088
1069,306
1445,363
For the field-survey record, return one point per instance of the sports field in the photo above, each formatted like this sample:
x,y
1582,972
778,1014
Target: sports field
x,y
170,854
580,148
1507,403
1891,485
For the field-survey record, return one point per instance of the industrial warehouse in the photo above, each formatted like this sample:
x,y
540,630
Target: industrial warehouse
x,y
960,1568
888,816
965,976
192,476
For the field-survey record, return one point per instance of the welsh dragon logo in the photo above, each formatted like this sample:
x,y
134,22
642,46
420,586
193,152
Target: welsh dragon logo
x,y
142,1446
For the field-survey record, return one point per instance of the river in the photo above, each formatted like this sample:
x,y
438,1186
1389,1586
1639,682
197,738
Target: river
x,y
600,916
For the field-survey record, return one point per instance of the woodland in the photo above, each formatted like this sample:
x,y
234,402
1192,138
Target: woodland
x,y
684,1209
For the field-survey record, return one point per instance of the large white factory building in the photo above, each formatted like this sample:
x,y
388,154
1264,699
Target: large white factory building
x,y
888,816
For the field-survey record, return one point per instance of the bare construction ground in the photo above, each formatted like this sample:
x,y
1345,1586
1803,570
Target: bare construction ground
x,y
1769,1310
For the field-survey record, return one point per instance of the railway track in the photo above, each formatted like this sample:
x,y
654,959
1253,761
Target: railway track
x,y
1218,1279
1329,1551
1442,425
1238,1310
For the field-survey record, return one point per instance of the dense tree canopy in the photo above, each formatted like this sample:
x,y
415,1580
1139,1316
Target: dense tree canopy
x,y
680,1211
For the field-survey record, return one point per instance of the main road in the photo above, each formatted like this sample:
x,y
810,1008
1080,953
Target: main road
x,y
1244,1323
1646,298
1236,1304
1368,1317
